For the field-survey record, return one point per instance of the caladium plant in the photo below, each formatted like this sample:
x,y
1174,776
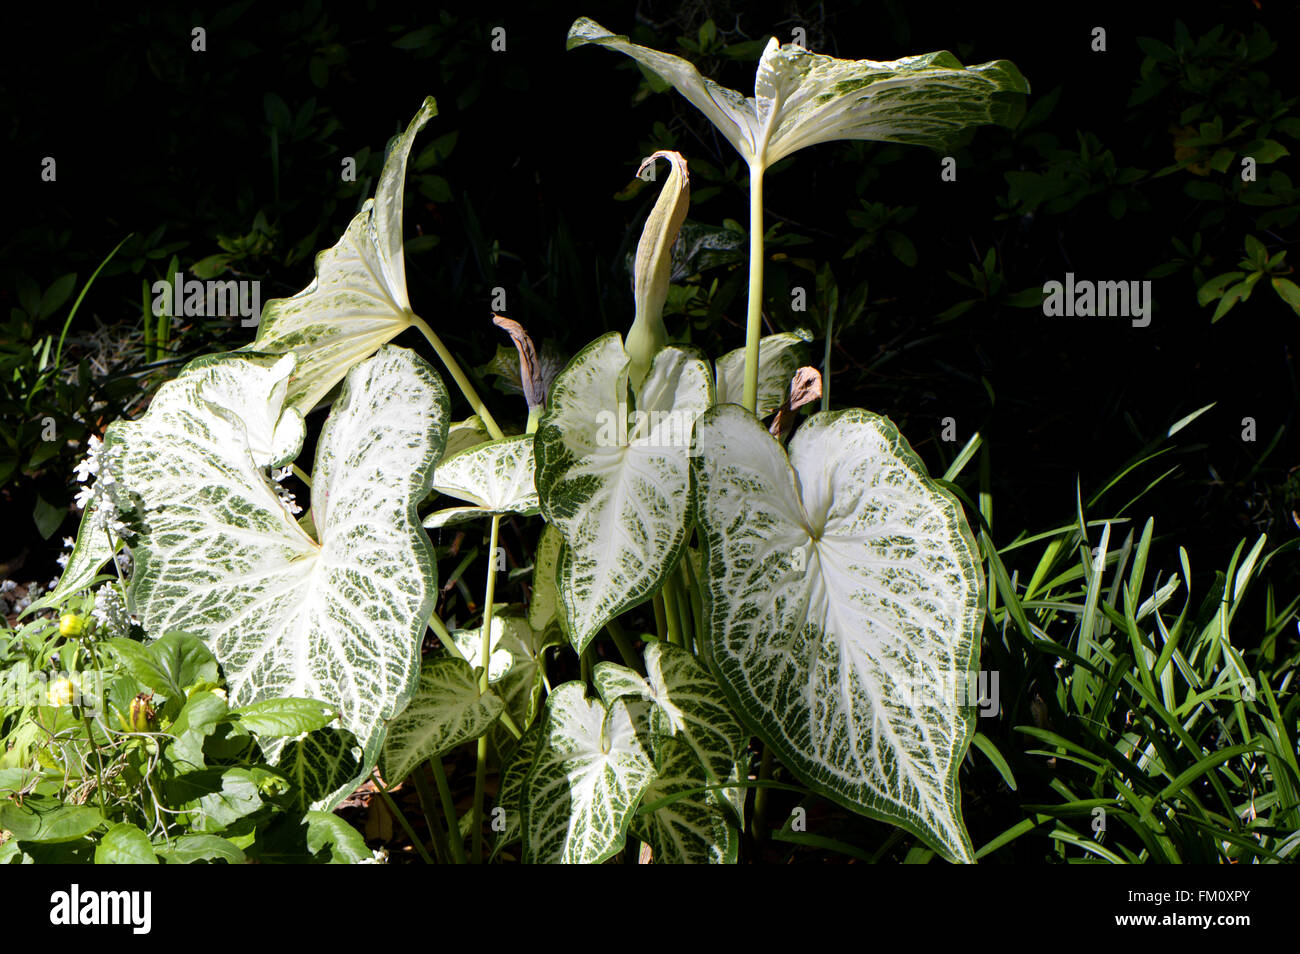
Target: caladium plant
x,y
823,596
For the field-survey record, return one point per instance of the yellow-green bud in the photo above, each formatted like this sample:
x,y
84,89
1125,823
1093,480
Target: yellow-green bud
x,y
70,624
142,712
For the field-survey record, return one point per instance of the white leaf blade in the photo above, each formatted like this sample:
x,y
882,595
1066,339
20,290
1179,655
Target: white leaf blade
x,y
358,300
825,655
219,556
726,109
618,495
496,476
588,775
920,100
694,829
779,356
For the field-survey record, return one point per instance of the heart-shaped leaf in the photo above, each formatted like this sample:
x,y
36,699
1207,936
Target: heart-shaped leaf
x,y
802,98
358,300
124,844
686,705
514,771
843,601
445,711
496,477
588,775
614,480
218,555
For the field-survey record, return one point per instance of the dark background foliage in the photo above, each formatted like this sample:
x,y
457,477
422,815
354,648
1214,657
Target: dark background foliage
x,y
236,152
1126,167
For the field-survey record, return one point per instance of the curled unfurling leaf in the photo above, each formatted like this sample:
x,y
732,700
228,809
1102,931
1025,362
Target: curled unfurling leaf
x,y
531,378
653,270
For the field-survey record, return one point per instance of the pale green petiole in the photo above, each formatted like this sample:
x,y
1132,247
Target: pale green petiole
x,y
485,654
754,320
457,375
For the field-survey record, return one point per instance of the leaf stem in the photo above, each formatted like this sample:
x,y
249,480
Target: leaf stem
x,y
671,617
430,812
455,841
485,654
397,813
697,599
457,375
754,319
624,646
760,797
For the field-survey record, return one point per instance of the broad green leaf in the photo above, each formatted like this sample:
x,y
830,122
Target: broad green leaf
x,y
203,712
544,602
189,849
90,552
695,828
124,844
169,665
358,300
310,838
275,718
802,98
779,357
589,773
218,554
688,706
45,820
843,601
614,479
514,662
496,477
218,797
445,711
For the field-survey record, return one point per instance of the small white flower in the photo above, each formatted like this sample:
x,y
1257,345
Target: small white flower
x,y
84,496
89,466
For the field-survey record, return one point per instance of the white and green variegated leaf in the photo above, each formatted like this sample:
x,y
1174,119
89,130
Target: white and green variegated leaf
x,y
338,618
358,300
514,662
90,552
514,770
779,357
802,98
688,706
843,600
544,602
323,766
445,711
496,477
589,772
462,435
615,480
693,829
